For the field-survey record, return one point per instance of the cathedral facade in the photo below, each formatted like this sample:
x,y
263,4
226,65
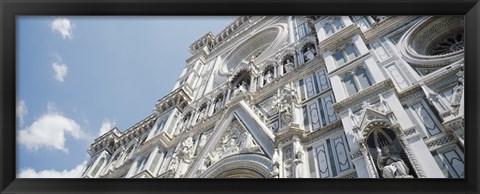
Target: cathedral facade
x,y
305,97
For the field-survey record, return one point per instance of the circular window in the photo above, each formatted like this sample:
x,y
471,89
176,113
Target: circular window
x,y
434,41
449,44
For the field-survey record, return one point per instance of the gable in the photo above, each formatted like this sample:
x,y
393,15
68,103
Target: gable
x,y
239,132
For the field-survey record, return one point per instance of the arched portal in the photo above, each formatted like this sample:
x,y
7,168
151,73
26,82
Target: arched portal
x,y
389,156
240,166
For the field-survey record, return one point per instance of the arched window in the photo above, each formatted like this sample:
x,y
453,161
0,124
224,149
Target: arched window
x,y
97,167
301,27
385,147
363,78
350,84
357,81
362,22
346,54
333,26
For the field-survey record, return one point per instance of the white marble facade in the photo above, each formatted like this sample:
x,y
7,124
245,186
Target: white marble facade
x,y
305,97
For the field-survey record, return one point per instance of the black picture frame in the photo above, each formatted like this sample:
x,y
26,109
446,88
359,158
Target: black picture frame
x,y
10,8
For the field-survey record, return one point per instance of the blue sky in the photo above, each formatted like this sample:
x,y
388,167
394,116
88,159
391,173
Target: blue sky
x,y
78,76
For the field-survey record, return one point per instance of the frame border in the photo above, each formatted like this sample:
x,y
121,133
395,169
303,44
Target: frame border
x,y
9,9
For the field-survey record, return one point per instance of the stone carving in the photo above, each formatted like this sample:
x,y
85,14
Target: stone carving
x,y
383,104
203,141
433,98
285,103
247,141
288,165
378,19
289,66
298,161
275,164
252,60
268,77
366,105
391,165
353,117
241,88
173,163
228,144
458,92
187,150
201,113
218,103
309,54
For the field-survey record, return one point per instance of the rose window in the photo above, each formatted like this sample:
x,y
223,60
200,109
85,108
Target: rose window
x,y
450,44
434,42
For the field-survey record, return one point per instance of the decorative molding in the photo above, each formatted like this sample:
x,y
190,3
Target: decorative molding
x,y
386,26
364,95
436,143
341,37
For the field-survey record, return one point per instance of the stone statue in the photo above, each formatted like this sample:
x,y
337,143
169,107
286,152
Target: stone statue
x,y
268,77
252,60
173,163
204,165
391,165
383,103
203,141
309,54
275,163
353,117
218,103
236,91
186,152
298,161
289,66
243,87
247,141
201,114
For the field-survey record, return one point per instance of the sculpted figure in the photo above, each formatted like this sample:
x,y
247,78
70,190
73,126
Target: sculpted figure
x,y
289,66
186,151
391,165
309,54
243,87
218,104
174,163
275,163
268,77
353,117
247,141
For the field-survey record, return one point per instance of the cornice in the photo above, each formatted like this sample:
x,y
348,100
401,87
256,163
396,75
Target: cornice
x,y
180,96
368,93
340,38
136,130
241,36
386,26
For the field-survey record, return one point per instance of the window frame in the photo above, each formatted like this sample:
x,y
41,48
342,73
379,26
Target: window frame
x,y
356,80
345,56
331,24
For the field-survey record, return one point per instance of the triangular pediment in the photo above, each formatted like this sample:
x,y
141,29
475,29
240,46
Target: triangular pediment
x,y
239,132
370,115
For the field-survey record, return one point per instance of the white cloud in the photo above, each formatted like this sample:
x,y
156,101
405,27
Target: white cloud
x,y
63,26
107,125
49,131
21,110
60,69
72,173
